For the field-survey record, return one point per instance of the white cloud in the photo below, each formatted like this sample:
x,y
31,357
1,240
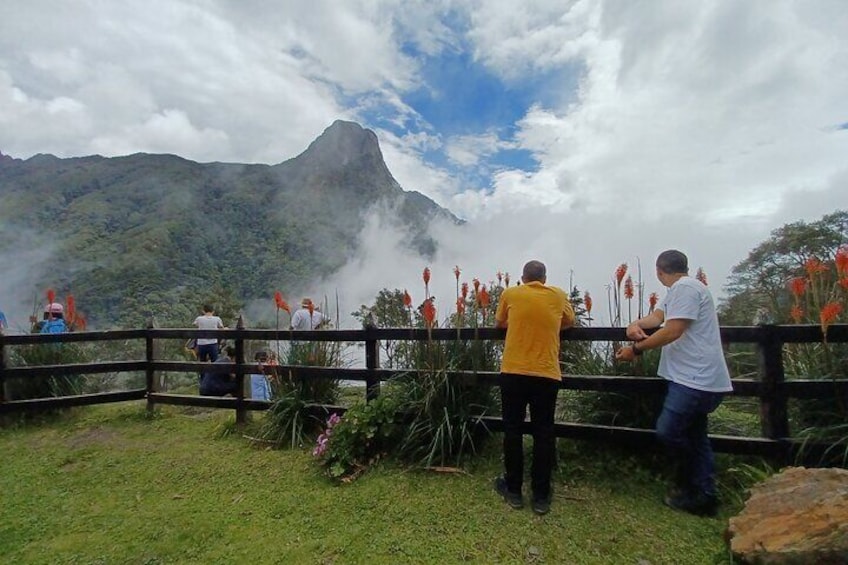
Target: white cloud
x,y
702,126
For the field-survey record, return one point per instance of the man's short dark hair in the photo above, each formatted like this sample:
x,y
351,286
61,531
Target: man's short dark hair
x,y
208,308
672,262
534,271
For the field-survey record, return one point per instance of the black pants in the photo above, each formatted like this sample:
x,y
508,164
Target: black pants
x,y
540,393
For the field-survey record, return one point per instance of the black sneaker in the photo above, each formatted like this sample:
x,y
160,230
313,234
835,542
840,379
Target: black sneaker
x,y
698,504
515,500
542,506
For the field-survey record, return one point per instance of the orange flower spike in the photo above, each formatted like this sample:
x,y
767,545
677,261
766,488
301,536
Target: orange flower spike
x,y
460,306
80,323
814,267
476,283
829,313
311,308
653,298
796,314
587,302
278,298
72,306
844,283
506,279
457,272
51,296
628,287
428,310
620,272
464,290
407,299
483,297
701,276
798,286
426,275
841,261
284,306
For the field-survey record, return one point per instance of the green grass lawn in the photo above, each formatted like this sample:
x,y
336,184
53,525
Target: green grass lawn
x,y
108,485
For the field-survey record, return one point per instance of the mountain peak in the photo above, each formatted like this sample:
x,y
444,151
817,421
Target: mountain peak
x,y
343,143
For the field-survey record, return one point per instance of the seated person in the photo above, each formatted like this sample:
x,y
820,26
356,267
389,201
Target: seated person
x,y
259,387
220,384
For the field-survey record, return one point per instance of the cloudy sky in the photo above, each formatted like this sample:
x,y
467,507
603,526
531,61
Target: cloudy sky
x,y
583,133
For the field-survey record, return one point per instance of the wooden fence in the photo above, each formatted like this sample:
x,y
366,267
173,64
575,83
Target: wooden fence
x,y
771,388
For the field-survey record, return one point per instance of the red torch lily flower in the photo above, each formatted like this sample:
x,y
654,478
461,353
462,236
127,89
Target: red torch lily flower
x,y
426,275
407,299
814,267
428,311
620,272
51,296
796,314
506,279
71,309
701,276
653,298
464,290
798,286
483,297
476,283
460,306
456,272
587,302
280,302
844,283
841,261
628,288
311,308
829,313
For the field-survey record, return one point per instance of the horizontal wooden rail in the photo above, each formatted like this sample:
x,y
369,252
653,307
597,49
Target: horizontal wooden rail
x,y
52,403
75,369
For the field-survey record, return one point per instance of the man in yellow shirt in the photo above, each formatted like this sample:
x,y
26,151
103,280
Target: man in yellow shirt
x,y
533,314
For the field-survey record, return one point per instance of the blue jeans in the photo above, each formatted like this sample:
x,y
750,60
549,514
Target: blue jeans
x,y
207,352
682,429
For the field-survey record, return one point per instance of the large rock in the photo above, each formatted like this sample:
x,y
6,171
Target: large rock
x,y
798,516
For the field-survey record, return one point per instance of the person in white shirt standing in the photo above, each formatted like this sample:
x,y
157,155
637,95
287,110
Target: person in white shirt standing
x,y
207,347
692,360
307,317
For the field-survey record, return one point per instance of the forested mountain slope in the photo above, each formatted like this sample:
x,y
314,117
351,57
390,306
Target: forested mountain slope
x,y
149,235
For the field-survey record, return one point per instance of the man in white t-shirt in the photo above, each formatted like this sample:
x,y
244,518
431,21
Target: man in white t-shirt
x,y
207,347
307,317
692,360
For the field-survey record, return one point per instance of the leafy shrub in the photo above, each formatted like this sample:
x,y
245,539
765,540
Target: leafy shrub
x,y
48,385
363,435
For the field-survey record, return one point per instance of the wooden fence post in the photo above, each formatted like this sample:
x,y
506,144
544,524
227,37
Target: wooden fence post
x,y
773,400
241,411
372,362
150,374
3,394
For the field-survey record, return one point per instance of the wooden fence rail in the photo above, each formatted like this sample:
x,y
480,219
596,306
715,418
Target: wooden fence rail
x,y
770,388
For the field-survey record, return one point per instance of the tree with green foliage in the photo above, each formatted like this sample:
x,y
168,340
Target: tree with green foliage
x,y
760,282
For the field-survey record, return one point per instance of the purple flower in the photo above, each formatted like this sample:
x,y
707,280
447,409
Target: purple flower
x,y
333,420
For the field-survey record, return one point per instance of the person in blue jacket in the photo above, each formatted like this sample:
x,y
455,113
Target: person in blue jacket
x,y
54,319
